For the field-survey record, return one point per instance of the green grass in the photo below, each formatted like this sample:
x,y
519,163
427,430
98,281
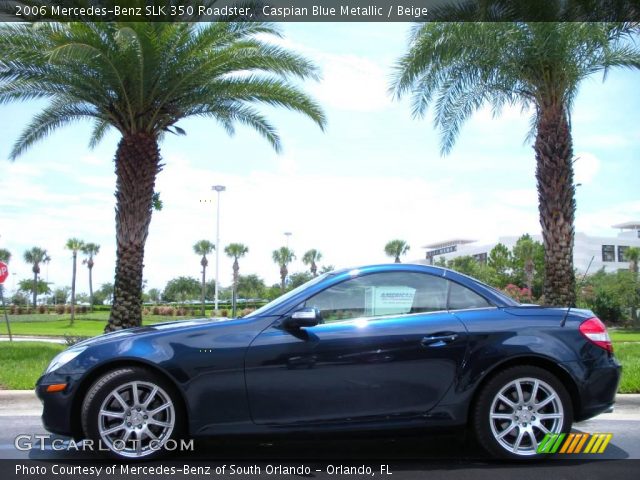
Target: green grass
x,y
629,355
23,362
59,325
624,335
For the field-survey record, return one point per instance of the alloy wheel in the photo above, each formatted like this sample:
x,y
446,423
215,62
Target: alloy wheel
x,y
523,412
136,419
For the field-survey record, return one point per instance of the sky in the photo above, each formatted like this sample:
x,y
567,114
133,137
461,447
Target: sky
x,y
374,175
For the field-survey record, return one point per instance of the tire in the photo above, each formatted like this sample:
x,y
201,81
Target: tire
x,y
517,407
132,412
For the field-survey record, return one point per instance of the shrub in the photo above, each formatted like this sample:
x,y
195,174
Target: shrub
x,y
60,309
155,310
43,309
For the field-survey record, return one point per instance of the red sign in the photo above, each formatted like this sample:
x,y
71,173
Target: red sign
x,y
4,272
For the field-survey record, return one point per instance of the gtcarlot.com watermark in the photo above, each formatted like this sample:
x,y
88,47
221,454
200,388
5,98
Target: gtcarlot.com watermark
x,y
25,442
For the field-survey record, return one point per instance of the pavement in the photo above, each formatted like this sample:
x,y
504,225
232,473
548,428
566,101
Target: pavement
x,y
442,455
30,338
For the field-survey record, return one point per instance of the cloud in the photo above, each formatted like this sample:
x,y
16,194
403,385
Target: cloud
x,y
353,83
586,167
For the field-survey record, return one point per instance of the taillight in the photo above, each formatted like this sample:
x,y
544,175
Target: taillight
x,y
595,331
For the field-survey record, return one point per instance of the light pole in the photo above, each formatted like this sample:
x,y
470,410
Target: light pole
x,y
217,188
288,234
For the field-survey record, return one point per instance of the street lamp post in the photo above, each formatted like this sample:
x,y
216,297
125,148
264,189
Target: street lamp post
x,y
217,188
288,234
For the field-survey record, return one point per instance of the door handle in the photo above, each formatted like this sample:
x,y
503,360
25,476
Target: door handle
x,y
438,340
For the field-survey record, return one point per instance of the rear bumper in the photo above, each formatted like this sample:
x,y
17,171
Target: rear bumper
x,y
597,390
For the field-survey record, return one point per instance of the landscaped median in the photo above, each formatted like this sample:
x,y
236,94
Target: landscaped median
x,y
23,362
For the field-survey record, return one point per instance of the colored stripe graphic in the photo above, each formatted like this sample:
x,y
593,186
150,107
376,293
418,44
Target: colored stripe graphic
x,y
573,443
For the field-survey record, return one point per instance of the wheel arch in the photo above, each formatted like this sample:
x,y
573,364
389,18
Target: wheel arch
x,y
94,374
529,360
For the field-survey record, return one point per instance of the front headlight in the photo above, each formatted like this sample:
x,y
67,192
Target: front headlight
x,y
63,358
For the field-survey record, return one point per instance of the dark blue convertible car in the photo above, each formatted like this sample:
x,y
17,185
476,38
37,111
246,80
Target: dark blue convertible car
x,y
374,348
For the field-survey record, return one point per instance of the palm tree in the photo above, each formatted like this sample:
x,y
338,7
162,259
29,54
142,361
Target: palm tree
x,y
395,248
310,258
283,257
460,67
142,78
235,251
35,256
75,245
204,248
5,255
90,250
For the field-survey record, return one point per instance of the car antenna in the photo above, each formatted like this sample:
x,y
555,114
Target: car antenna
x,y
564,320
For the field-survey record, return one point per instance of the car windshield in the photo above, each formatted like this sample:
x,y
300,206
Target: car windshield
x,y
283,298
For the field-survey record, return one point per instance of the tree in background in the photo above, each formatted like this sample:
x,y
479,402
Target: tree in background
x,y
142,78
529,264
469,265
632,254
250,286
235,251
27,285
90,250
396,248
104,294
461,67
74,245
203,248
283,257
154,295
610,294
36,256
327,269
181,289
5,255
501,261
311,257
298,278
60,295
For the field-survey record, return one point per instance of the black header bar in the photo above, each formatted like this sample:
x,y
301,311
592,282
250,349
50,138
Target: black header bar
x,y
321,10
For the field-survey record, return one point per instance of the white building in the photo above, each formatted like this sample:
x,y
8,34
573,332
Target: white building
x,y
600,252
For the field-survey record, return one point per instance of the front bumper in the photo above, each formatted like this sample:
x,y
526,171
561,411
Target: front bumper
x,y
58,415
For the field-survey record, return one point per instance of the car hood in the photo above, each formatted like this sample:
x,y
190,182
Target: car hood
x,y
156,328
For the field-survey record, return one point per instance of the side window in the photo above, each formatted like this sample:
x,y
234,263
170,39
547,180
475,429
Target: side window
x,y
461,298
380,294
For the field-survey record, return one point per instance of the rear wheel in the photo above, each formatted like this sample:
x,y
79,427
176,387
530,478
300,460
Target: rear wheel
x,y
131,411
517,408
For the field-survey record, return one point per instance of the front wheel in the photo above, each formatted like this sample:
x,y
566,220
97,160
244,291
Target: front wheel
x,y
517,408
132,412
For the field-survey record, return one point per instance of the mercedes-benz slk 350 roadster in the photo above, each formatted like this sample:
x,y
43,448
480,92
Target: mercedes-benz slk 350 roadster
x,y
375,348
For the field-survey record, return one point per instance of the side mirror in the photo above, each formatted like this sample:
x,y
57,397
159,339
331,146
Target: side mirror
x,y
306,317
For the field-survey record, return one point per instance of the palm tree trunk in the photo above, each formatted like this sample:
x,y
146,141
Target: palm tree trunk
x,y
137,165
554,175
204,286
73,289
234,297
91,286
35,285
283,277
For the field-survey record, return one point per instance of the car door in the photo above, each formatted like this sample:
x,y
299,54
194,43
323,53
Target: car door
x,y
388,346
